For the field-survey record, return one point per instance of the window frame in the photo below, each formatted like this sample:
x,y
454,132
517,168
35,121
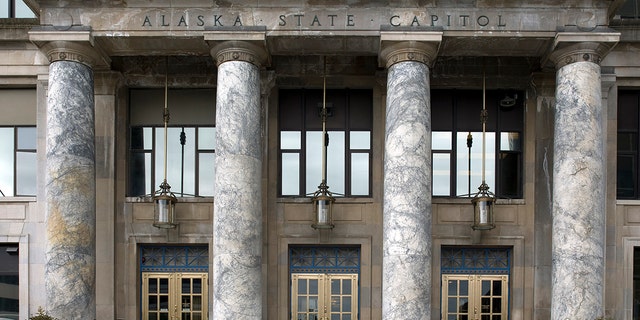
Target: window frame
x,y
305,100
155,129
628,129
457,122
15,152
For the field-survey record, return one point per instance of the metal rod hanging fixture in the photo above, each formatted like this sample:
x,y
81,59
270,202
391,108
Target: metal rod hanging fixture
x,y
483,218
164,200
323,199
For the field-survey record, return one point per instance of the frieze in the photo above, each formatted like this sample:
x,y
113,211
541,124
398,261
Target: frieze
x,y
326,18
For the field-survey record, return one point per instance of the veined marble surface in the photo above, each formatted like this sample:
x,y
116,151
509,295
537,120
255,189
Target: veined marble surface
x,y
578,195
237,223
70,189
406,261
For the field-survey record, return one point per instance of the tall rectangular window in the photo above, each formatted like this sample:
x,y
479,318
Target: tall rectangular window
x,y
191,137
457,142
9,280
349,129
627,157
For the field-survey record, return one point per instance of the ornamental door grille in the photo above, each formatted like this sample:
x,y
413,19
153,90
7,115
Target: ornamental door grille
x,y
475,297
324,296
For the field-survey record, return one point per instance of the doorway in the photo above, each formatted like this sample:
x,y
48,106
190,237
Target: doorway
x,y
324,282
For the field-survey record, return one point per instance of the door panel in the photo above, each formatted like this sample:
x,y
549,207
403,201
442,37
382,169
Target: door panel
x,y
174,296
324,296
475,297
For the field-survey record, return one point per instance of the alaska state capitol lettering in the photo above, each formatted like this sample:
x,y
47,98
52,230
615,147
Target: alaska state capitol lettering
x,y
330,20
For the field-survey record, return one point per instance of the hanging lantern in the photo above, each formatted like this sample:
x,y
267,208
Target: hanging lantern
x,y
323,203
483,218
164,207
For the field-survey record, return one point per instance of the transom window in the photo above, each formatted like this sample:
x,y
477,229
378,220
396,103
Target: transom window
x,y
191,137
457,142
348,152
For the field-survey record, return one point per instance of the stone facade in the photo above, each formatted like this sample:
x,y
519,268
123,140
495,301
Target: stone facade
x,y
80,237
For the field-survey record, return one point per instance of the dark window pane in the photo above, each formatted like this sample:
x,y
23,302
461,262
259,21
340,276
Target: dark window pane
x,y
626,176
197,285
629,10
164,285
9,279
627,142
137,138
139,174
153,285
360,113
186,285
509,175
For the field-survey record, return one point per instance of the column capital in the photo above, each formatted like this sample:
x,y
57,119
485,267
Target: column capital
x,y
570,47
246,44
399,46
71,45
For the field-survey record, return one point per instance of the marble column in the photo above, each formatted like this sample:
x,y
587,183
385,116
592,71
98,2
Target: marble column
x,y
406,260
579,175
70,191
237,218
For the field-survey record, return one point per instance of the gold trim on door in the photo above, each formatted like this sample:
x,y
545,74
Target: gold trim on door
x,y
174,296
475,297
316,296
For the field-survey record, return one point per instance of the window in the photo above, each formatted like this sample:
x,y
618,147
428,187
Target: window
x,y
9,279
15,9
191,137
630,9
349,127
627,158
457,142
18,143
